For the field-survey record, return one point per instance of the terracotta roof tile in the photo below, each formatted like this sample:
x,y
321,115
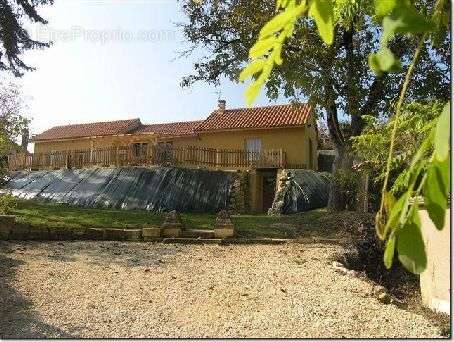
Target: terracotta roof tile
x,y
172,128
89,129
241,118
259,117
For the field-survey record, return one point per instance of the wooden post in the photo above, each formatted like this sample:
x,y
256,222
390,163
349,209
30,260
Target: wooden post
x,y
281,159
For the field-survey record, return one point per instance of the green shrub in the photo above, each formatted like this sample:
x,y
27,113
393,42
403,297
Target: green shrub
x,y
7,203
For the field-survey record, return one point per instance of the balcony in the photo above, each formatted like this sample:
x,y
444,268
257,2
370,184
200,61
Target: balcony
x,y
150,155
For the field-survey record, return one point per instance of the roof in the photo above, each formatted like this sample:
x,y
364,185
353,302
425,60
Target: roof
x,y
240,118
259,117
172,128
89,130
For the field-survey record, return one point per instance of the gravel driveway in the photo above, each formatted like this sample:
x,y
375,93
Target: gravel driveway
x,y
114,289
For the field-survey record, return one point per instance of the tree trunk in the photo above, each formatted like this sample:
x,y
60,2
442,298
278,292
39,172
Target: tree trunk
x,y
362,196
338,198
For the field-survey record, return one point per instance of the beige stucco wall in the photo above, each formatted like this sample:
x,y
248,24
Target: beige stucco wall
x,y
435,281
92,142
294,141
180,142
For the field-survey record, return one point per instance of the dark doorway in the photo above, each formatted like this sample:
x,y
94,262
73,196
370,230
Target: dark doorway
x,y
269,189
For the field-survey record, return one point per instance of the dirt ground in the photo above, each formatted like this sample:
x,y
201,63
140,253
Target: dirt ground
x,y
115,289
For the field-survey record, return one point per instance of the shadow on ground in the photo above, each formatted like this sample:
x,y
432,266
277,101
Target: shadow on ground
x,y
17,318
113,253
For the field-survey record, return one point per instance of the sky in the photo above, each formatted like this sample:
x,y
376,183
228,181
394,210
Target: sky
x,y
116,59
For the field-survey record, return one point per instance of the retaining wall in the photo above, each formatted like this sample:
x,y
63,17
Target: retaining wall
x,y
155,189
435,281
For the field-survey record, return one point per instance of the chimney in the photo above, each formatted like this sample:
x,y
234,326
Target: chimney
x,y
221,105
25,139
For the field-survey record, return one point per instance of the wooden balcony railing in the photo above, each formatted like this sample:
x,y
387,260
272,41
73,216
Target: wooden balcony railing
x,y
149,155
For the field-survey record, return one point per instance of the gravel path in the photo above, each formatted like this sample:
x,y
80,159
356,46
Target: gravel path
x,y
114,289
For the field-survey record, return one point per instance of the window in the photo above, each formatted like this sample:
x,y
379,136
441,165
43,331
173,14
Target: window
x,y
140,149
253,148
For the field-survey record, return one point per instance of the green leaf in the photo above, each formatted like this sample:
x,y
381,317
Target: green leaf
x,y
442,133
384,7
436,191
410,244
252,92
323,13
277,55
403,19
262,47
253,68
254,89
375,65
384,61
277,23
389,251
398,213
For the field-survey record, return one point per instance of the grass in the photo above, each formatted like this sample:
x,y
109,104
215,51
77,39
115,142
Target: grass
x,y
61,215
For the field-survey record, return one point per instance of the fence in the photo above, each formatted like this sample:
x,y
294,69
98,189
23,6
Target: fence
x,y
148,155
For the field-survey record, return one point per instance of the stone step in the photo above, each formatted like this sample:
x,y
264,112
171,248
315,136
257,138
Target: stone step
x,y
203,233
191,240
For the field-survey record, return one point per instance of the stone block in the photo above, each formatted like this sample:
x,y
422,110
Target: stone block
x,y
65,234
221,233
114,234
7,222
95,233
223,227
151,233
79,233
133,234
172,220
199,233
54,233
39,233
19,232
4,232
171,231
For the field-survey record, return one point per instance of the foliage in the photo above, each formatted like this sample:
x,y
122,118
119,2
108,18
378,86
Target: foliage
x,y
14,38
324,141
413,124
12,121
396,17
8,204
348,183
396,220
335,79
428,177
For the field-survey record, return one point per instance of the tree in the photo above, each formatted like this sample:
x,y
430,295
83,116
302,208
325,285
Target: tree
x,y
335,78
14,38
12,120
413,126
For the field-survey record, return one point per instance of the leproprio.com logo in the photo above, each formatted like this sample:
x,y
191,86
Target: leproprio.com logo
x,y
101,36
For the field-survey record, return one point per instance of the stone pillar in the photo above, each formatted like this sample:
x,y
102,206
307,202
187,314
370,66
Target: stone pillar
x,y
284,184
223,227
172,226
